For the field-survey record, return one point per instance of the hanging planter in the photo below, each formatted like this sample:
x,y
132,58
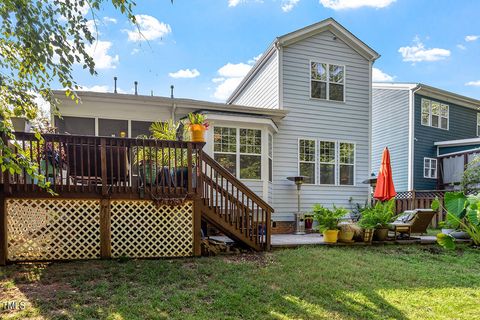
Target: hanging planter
x,y
198,126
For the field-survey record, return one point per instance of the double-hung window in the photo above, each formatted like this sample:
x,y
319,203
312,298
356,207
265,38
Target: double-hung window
x,y
478,124
307,160
430,168
335,161
327,81
239,151
435,114
270,157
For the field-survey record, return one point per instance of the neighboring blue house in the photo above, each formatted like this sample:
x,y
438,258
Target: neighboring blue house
x,y
418,123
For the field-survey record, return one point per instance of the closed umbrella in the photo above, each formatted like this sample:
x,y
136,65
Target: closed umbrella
x,y
385,189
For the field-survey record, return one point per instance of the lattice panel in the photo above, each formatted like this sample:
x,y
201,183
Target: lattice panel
x,y
53,229
142,229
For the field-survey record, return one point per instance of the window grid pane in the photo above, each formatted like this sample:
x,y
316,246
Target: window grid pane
x,y
327,152
327,162
250,141
327,81
307,150
307,154
435,114
225,140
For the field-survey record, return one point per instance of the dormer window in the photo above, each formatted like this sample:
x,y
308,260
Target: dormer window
x,y
327,81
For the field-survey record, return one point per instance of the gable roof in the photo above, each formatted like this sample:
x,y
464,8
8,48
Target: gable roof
x,y
432,92
329,24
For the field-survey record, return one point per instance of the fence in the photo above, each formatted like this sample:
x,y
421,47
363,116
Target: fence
x,y
410,200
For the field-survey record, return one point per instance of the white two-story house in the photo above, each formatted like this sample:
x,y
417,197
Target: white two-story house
x,y
303,109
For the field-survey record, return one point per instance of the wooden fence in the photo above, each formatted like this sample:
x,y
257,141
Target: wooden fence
x,y
410,200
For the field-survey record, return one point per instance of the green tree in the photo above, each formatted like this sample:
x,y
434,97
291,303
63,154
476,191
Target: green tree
x,y
40,41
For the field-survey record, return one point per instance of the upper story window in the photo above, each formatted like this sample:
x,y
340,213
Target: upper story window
x,y
327,81
478,124
435,114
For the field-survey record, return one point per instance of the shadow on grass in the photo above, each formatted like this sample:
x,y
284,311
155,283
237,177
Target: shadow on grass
x,y
313,283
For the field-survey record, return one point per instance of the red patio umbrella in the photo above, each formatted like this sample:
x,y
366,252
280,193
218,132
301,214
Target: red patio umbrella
x,y
385,190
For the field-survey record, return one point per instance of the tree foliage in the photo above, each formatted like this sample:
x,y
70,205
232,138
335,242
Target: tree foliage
x,y
40,42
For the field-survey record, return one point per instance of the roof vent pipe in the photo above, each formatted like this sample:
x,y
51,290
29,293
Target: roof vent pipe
x,y
171,91
115,84
136,87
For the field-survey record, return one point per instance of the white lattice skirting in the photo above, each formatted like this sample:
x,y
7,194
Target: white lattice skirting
x,y
53,229
144,230
65,229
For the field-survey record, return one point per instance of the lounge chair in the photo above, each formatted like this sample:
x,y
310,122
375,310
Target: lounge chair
x,y
412,221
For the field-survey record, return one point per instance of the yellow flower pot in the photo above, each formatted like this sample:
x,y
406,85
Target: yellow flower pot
x,y
198,132
330,236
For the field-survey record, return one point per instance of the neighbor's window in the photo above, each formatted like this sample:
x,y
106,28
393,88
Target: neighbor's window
x,y
430,168
270,157
347,163
225,148
435,114
327,81
250,154
306,158
478,124
327,162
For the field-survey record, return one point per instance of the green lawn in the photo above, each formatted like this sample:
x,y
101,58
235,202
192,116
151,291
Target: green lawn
x,y
390,282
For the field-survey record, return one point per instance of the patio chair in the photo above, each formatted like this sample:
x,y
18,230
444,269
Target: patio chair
x,y
412,221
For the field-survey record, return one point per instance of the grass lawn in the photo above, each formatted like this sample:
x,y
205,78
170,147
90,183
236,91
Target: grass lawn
x,y
389,282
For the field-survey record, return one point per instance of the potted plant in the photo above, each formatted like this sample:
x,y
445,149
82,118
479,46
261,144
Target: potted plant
x,y
198,125
328,221
447,227
384,212
308,222
347,232
368,222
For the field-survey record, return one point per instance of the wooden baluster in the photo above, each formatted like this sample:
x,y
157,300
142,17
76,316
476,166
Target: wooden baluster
x,y
259,224
61,150
67,154
119,164
189,168
175,167
103,160
110,157
32,159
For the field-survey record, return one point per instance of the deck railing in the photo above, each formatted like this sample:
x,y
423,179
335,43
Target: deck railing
x,y
107,166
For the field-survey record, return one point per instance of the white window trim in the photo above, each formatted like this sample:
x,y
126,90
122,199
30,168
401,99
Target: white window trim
x,y
238,153
315,162
328,81
478,124
337,162
430,115
269,155
430,167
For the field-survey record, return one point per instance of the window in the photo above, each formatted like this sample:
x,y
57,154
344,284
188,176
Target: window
x,y
478,124
336,162
75,125
327,162
140,128
430,168
435,114
307,154
250,154
112,128
327,81
347,163
239,151
225,148
270,157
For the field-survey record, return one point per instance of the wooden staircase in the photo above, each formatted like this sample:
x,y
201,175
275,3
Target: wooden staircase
x,y
232,207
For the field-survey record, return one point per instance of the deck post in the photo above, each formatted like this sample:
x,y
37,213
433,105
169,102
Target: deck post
x,y
268,233
197,227
105,230
3,230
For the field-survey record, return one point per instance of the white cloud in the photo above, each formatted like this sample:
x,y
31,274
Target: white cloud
x,y
354,4
471,38
107,20
461,47
417,52
473,83
230,76
99,51
135,51
150,29
288,5
184,73
380,76
95,88
234,3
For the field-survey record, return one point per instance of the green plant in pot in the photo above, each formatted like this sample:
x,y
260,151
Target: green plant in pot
x,y
385,212
368,222
328,221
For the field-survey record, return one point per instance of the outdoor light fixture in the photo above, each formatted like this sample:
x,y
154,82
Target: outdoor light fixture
x,y
372,181
299,216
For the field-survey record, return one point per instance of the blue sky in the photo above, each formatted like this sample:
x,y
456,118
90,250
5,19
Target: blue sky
x,y
204,47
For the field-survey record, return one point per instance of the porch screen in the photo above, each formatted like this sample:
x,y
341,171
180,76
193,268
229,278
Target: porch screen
x,y
453,169
140,128
112,128
75,125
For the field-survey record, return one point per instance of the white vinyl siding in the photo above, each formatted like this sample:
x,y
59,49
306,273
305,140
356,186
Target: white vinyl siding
x,y
435,114
262,90
430,168
478,124
309,118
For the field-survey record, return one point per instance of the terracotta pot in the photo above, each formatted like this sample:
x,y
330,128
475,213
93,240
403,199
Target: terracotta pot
x,y
346,236
330,236
381,234
198,132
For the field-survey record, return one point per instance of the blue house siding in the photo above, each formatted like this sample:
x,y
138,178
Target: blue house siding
x,y
390,129
462,125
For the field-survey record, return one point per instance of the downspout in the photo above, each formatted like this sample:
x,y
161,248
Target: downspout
x,y
411,136
370,123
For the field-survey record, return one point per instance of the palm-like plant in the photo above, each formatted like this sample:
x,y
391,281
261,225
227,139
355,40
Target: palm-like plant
x,y
328,219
